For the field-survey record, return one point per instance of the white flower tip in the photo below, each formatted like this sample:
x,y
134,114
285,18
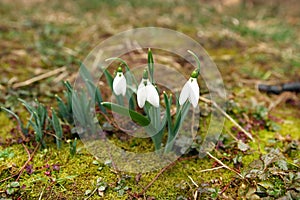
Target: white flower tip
x,y
152,95
147,93
184,94
119,84
190,91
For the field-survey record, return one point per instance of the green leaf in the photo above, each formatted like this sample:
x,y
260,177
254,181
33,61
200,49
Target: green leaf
x,y
10,191
84,73
17,118
96,94
57,128
42,113
37,123
135,116
27,106
168,113
181,116
73,147
64,110
109,79
15,184
68,86
197,60
93,90
151,65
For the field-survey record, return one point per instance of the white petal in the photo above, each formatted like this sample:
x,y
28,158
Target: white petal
x,y
184,94
119,84
152,95
194,92
141,94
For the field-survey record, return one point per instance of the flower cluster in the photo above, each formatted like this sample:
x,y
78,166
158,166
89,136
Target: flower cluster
x,y
147,92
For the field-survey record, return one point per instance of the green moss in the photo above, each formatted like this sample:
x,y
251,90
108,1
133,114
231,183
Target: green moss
x,y
78,174
6,125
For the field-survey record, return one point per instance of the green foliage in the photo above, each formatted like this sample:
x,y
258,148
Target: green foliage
x,y
273,175
93,91
135,116
173,128
57,128
6,153
151,66
73,146
37,120
12,188
23,129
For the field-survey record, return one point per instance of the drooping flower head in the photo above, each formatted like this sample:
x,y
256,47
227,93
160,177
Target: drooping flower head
x,y
119,83
190,90
147,92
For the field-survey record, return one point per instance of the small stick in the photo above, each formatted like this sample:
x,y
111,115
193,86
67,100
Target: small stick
x,y
38,78
60,77
30,157
156,177
92,193
211,169
113,123
163,170
19,173
227,116
225,166
26,149
227,186
193,181
235,138
41,195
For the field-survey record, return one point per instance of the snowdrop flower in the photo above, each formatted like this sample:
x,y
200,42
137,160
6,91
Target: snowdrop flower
x,y
119,83
147,92
190,90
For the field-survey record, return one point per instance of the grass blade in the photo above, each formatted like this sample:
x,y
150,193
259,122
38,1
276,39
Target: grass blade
x,y
57,129
135,116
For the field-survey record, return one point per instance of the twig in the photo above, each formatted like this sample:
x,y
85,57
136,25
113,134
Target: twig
x,y
112,122
60,77
225,166
227,186
227,116
163,170
38,78
156,177
19,173
92,193
193,181
211,169
235,138
196,192
26,149
30,157
282,97
41,195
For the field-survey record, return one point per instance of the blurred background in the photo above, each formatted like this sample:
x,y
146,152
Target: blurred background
x,y
42,43
251,41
